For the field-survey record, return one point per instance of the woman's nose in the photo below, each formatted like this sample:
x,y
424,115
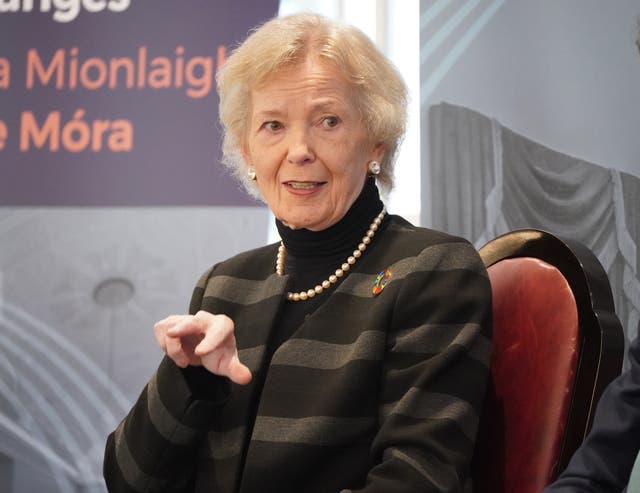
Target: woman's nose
x,y
300,151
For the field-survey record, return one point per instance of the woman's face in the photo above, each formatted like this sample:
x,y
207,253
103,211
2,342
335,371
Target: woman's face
x,y
308,145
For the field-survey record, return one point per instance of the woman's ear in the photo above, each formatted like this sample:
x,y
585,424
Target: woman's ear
x,y
378,152
244,151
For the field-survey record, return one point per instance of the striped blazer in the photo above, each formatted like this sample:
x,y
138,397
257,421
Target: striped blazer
x,y
373,392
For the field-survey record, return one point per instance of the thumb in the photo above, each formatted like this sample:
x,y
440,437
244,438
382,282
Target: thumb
x,y
238,372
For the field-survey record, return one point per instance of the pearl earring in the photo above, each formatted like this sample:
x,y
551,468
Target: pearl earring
x,y
374,167
251,174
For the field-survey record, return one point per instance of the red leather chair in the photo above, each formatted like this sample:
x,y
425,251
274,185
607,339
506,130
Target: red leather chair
x,y
556,344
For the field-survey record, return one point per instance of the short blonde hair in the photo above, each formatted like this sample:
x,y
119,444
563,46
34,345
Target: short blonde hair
x,y
380,92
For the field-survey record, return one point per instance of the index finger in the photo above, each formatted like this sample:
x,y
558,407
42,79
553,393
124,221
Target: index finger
x,y
187,326
160,329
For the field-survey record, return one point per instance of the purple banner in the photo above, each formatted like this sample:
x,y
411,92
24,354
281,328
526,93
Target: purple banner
x,y
113,102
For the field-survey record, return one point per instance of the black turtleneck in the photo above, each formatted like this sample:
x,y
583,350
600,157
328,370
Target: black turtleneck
x,y
313,255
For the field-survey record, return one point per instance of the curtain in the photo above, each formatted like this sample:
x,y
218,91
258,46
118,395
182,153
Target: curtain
x,y
487,180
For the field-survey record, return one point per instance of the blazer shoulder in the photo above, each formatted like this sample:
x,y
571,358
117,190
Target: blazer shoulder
x,y
415,240
255,264
400,226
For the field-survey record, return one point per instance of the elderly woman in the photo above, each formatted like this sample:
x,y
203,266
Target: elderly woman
x,y
353,355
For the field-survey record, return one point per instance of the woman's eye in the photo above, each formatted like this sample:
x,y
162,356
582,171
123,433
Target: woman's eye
x,y
273,125
330,121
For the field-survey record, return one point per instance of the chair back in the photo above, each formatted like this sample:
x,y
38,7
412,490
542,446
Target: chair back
x,y
556,344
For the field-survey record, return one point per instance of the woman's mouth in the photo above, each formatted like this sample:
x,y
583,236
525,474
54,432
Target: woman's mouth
x,y
304,185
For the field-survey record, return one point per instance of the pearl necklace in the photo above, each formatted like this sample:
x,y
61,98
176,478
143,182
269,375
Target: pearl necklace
x,y
340,272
